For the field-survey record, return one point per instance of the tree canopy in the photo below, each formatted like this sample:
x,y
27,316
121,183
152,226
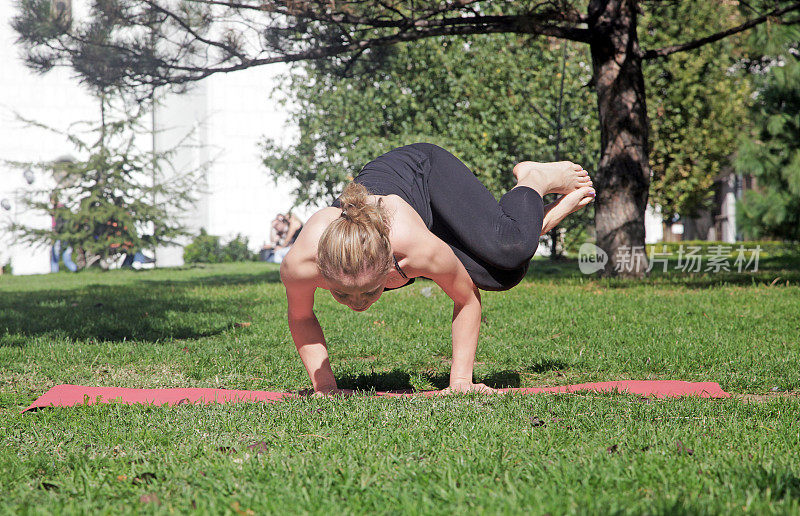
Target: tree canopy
x,y
492,101
150,43
697,104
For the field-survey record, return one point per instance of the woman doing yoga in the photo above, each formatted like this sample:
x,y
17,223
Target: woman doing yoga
x,y
417,211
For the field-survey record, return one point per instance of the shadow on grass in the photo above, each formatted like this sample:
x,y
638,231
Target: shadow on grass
x,y
130,312
398,380
148,306
778,484
395,380
269,276
547,365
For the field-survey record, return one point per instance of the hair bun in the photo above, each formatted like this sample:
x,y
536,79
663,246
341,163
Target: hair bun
x,y
356,209
352,210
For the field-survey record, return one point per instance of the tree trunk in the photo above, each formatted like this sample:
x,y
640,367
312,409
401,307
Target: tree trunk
x,y
623,178
555,233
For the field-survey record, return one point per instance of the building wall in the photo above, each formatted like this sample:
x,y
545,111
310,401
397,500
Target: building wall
x,y
240,115
179,125
653,228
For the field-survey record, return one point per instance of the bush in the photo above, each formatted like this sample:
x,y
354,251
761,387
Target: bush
x,y
207,248
237,250
204,248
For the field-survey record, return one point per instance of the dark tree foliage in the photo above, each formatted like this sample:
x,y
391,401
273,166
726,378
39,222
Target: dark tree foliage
x,y
771,153
206,248
471,95
697,104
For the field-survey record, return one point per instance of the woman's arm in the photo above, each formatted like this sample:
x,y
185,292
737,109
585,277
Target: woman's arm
x,y
273,235
294,224
466,329
304,326
445,269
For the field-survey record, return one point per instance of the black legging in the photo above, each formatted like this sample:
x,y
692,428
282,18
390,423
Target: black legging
x,y
495,241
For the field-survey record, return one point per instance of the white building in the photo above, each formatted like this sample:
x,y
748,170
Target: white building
x,y
230,115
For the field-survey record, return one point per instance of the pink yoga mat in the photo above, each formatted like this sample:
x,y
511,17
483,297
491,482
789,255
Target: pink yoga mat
x,y
70,395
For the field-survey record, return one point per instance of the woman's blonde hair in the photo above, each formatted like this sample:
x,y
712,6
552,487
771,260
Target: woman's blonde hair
x,y
358,241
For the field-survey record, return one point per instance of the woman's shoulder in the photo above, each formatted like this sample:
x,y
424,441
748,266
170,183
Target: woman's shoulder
x,y
410,238
320,220
406,224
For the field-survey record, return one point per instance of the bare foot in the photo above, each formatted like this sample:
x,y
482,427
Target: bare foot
x,y
560,177
577,199
567,204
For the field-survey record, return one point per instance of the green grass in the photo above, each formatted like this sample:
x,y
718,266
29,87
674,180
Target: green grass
x,y
555,454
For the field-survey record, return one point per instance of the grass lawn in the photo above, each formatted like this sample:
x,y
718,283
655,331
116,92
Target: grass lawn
x,y
555,454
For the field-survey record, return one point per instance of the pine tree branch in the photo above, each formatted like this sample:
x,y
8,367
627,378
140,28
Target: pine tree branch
x,y
691,45
478,25
294,30
321,11
185,26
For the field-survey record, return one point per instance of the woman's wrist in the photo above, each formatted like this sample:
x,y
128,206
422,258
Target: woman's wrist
x,y
326,387
459,379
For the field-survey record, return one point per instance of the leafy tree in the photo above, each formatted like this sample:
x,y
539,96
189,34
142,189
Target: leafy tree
x,y
149,43
109,204
771,152
204,248
471,95
698,104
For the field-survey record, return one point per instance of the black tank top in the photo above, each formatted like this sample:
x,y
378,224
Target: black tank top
x,y
403,172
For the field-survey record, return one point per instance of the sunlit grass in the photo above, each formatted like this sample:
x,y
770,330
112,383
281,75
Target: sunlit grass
x,y
511,454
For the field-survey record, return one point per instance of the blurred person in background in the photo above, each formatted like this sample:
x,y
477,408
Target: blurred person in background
x,y
285,229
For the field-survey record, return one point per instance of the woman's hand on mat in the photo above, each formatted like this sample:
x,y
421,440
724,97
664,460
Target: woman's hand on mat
x,y
332,392
465,387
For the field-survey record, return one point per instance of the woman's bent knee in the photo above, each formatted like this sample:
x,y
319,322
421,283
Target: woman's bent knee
x,y
513,254
499,280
